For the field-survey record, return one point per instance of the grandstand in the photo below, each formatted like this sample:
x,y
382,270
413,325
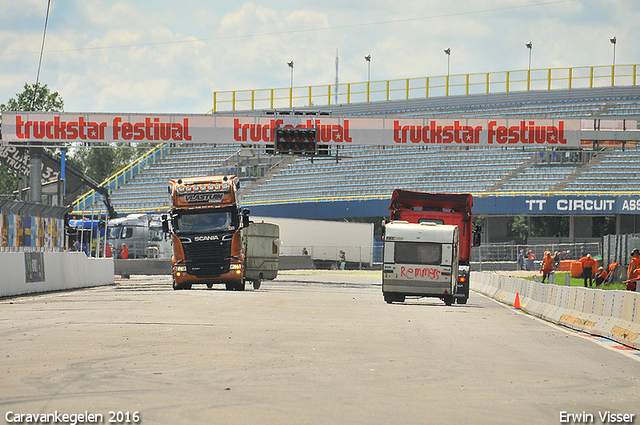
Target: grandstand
x,y
367,172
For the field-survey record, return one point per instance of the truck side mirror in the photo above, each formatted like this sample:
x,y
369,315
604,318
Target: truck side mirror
x,y
165,224
245,217
477,231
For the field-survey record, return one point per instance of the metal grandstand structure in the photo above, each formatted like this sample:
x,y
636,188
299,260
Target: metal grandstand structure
x,y
366,175
544,79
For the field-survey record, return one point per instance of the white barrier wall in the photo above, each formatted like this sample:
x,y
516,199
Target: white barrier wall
x,y
608,313
30,272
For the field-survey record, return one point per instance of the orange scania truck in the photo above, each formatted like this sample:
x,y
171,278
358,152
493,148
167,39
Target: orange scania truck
x,y
205,222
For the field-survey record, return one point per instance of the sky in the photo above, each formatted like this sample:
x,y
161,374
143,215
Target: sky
x,y
161,56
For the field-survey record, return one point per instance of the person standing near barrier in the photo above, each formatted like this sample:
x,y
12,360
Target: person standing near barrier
x,y
521,260
342,260
587,269
547,265
634,263
632,270
556,260
124,254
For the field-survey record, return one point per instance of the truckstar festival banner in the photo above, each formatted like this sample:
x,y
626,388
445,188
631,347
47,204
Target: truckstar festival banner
x,y
24,127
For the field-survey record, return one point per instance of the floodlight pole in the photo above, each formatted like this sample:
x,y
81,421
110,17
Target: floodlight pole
x,y
448,53
291,86
530,47
368,59
613,66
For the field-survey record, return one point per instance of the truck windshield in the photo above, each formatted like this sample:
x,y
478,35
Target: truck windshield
x,y
114,232
205,222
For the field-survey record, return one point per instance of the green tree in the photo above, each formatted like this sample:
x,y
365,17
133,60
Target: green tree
x,y
518,228
33,98
102,160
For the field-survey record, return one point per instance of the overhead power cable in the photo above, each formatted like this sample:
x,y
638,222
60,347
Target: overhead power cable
x,y
35,89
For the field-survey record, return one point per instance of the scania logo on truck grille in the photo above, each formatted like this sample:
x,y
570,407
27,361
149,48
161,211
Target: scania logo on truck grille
x,y
205,238
203,197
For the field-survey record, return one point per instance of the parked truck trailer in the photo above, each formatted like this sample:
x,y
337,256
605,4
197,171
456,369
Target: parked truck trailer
x,y
324,239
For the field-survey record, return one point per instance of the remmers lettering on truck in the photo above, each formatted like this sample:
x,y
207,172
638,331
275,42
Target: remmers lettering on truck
x,y
417,272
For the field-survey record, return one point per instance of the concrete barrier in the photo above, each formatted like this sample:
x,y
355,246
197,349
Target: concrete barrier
x,y
32,272
608,313
295,262
627,329
147,266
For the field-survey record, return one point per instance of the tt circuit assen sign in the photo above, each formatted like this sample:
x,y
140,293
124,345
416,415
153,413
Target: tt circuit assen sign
x,y
26,127
557,205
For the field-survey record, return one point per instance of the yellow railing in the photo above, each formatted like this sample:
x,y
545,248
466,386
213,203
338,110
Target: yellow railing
x,y
414,88
84,202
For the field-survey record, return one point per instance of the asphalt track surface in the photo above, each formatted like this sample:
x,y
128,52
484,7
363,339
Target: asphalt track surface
x,y
304,349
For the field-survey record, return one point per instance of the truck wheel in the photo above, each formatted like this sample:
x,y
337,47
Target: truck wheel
x,y
209,285
461,300
229,286
240,286
177,287
448,300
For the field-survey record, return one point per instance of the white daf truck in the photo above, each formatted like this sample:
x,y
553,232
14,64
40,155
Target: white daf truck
x,y
420,259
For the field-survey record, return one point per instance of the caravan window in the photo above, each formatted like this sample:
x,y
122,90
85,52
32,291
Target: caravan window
x,y
418,253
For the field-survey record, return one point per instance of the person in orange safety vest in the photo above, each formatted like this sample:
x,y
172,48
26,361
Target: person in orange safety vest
x,y
602,276
634,270
587,269
547,265
124,254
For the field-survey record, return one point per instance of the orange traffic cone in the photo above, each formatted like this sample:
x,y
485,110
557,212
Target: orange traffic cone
x,y
516,303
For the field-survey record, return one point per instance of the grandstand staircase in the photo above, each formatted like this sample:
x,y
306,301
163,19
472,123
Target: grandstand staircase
x,y
511,176
250,185
580,171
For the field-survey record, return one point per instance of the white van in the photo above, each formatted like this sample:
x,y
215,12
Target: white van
x,y
420,260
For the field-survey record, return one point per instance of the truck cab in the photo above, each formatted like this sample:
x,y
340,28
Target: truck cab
x,y
205,223
420,259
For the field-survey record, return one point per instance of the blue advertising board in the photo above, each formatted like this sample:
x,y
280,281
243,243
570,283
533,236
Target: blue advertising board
x,y
482,205
556,205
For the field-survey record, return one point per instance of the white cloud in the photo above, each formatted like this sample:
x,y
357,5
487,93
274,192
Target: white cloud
x,y
169,57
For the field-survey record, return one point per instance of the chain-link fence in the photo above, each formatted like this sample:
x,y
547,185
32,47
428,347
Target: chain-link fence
x,y
505,255
618,247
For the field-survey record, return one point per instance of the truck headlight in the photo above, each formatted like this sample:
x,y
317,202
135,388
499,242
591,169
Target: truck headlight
x,y
181,268
236,266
